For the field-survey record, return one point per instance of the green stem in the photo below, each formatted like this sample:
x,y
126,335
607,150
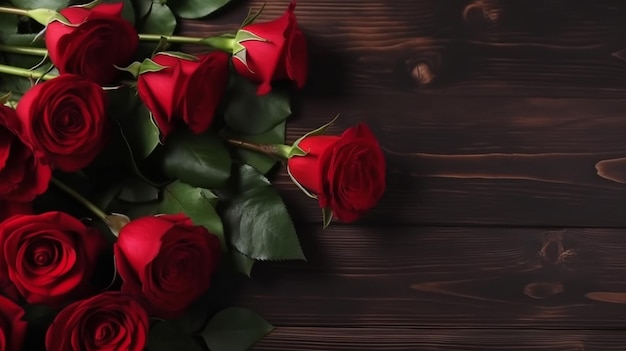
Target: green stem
x,y
23,50
13,11
278,151
170,38
221,42
88,204
26,73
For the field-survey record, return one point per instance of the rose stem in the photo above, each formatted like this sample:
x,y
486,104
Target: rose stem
x,y
13,11
23,50
90,205
275,150
26,73
221,43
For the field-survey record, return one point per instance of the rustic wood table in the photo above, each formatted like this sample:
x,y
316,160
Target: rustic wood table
x,y
503,226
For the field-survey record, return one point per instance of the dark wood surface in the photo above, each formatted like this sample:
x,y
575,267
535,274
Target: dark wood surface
x,y
504,224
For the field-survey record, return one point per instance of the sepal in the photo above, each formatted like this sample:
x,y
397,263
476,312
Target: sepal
x,y
6,98
319,131
136,68
252,16
295,181
327,216
46,16
239,51
116,221
89,5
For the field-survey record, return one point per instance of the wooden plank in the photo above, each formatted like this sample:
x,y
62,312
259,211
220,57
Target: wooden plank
x,y
455,47
484,161
358,339
414,277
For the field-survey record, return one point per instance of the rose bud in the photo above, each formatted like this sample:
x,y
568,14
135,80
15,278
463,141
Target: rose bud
x,y
186,90
22,176
12,327
166,262
99,40
272,50
47,258
108,321
64,121
346,172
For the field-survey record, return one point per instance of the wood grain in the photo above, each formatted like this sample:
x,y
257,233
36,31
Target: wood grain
x,y
417,277
357,339
484,161
503,126
455,47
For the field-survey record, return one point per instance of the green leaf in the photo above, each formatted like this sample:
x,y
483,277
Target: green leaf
x,y
197,203
45,4
235,329
191,9
136,190
8,25
248,113
261,162
160,20
197,159
259,225
167,336
142,8
242,263
140,131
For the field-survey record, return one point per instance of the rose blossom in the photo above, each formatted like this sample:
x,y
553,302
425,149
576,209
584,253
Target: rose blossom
x,y
346,172
22,176
64,121
101,40
184,90
12,326
279,53
109,321
166,262
47,258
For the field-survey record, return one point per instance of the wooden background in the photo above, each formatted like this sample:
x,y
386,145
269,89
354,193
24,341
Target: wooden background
x,y
504,126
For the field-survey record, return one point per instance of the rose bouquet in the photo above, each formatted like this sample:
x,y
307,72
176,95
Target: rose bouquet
x,y
133,174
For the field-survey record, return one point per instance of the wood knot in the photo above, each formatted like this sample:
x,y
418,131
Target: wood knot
x,y
423,70
484,12
543,290
612,169
422,74
553,252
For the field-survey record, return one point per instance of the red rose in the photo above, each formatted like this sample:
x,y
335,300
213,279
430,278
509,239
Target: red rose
x,y
47,258
22,176
109,321
64,121
186,90
346,172
12,327
166,262
101,40
280,53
